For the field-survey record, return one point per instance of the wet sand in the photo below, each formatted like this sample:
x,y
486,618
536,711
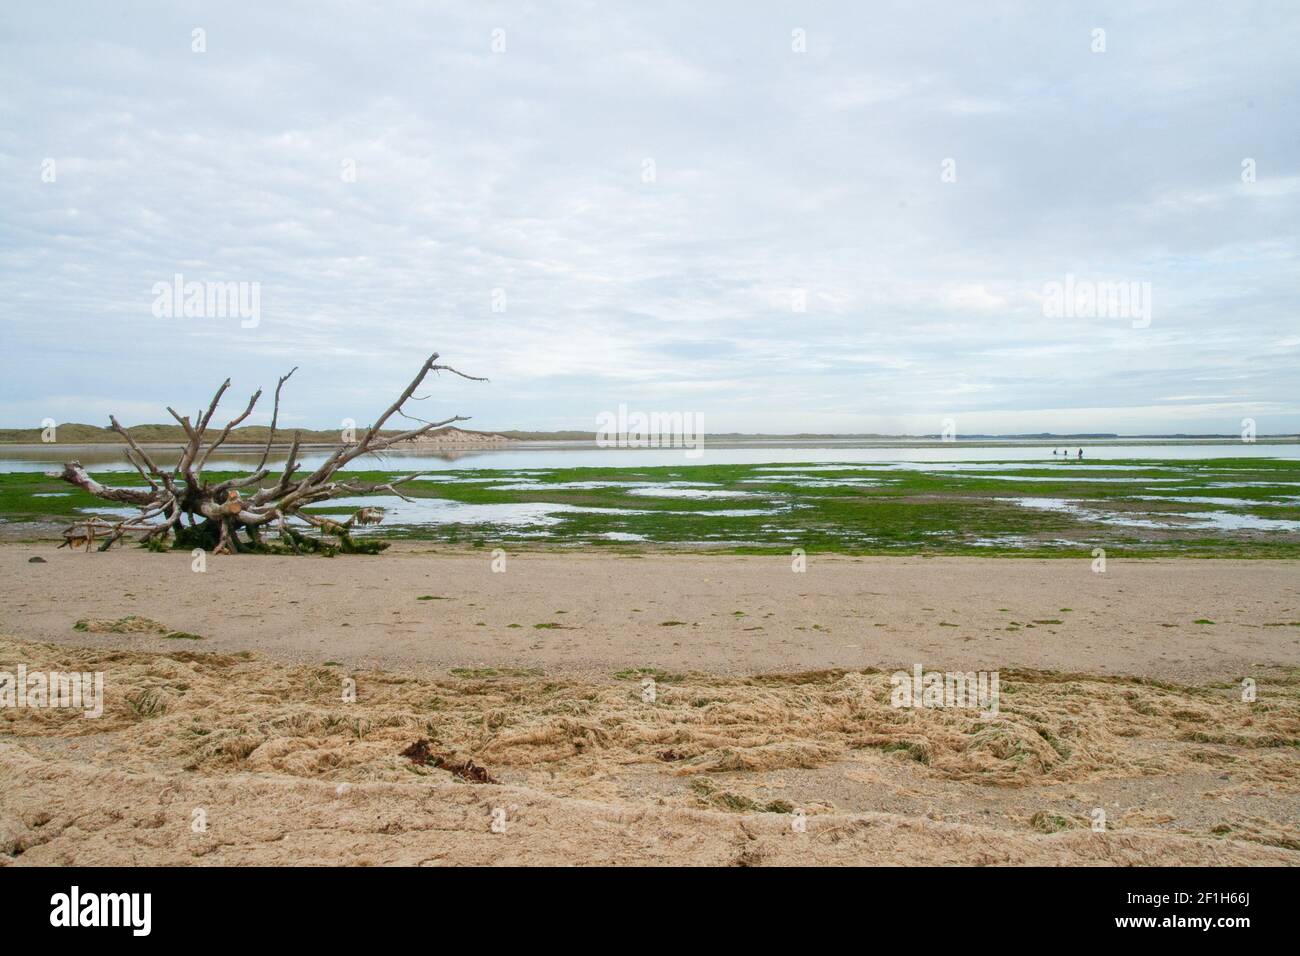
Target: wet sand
x,y
679,612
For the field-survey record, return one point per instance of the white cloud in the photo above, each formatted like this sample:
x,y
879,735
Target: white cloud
x,y
773,171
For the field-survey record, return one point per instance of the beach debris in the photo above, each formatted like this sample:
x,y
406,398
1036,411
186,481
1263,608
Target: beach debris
x,y
132,624
79,536
38,559
372,515
180,503
420,754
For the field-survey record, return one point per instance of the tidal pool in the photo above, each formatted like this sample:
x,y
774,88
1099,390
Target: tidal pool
x,y
426,511
666,491
1219,520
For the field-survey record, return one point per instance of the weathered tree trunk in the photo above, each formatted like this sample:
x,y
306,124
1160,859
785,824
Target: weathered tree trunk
x,y
216,515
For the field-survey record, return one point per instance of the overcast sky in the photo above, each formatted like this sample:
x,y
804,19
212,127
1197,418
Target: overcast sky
x,y
650,191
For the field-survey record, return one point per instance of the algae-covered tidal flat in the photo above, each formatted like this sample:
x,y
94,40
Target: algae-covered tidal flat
x,y
1225,507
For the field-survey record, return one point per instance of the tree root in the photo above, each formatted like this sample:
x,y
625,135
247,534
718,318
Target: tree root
x,y
178,499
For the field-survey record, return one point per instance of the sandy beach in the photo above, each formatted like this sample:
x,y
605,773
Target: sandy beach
x,y
615,437
414,607
1120,692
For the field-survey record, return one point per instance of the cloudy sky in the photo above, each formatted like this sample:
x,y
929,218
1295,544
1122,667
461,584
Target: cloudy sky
x,y
833,216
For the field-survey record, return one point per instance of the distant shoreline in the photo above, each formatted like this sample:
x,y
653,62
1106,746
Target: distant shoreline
x,y
507,441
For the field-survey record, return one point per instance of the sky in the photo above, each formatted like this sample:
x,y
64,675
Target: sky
x,y
818,217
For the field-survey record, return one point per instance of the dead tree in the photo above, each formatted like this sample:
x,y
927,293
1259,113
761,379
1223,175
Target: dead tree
x,y
230,516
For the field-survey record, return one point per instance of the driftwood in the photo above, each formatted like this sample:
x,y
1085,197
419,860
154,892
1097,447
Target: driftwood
x,y
229,516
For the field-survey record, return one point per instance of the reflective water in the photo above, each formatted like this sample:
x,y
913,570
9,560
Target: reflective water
x,y
1219,520
423,512
534,455
663,491
430,511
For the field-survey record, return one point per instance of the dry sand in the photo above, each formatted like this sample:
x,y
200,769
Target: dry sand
x,y
785,706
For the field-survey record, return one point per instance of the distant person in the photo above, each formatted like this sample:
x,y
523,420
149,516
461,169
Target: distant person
x,y
1080,452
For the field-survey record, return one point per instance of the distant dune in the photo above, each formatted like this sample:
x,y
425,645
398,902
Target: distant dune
x,y
75,433
459,436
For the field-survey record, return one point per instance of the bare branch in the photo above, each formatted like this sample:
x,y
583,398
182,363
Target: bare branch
x,y
117,427
140,468
448,368
206,419
225,432
74,473
275,415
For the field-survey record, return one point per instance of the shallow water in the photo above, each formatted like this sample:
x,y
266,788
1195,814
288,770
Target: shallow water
x,y
533,485
428,511
1235,521
666,491
1218,520
1066,477
1204,500
585,455
1075,510
814,481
